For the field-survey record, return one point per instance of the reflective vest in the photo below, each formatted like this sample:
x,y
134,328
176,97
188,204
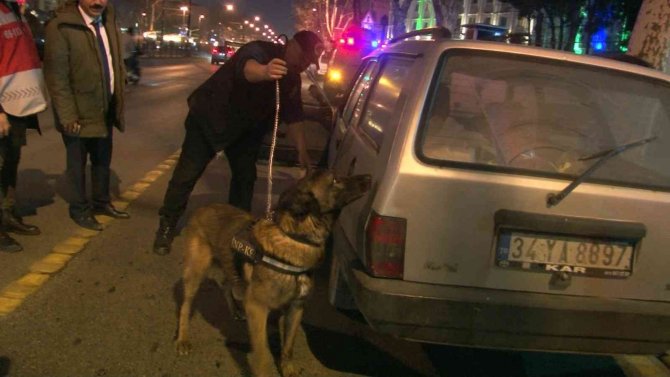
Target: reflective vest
x,y
22,88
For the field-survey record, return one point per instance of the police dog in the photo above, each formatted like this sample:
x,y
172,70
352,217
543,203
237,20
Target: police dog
x,y
277,277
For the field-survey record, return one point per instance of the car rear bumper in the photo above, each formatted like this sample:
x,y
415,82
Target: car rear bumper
x,y
505,319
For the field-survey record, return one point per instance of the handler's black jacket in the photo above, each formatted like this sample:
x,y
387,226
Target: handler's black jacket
x,y
227,103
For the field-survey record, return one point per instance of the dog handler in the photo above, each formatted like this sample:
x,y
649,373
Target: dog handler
x,y
231,112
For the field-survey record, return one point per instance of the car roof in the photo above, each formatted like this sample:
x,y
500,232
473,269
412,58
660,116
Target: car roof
x,y
429,48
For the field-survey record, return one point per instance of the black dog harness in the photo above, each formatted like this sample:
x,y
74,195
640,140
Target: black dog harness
x,y
245,244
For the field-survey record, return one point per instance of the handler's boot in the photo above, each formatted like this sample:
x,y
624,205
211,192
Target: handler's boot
x,y
13,223
164,236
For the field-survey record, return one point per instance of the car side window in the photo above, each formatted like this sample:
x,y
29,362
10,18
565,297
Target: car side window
x,y
383,99
356,99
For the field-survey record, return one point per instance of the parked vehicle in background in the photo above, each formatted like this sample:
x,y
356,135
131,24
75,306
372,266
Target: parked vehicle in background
x,y
354,44
521,198
484,32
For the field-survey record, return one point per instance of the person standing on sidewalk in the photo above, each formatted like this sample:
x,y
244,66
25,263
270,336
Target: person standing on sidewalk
x,y
22,96
230,114
84,71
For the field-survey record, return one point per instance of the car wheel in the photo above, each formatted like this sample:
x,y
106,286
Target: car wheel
x,y
339,294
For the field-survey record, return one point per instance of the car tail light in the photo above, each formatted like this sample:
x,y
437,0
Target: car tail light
x,y
385,246
334,75
215,50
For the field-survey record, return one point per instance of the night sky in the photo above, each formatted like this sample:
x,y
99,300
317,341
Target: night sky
x,y
278,12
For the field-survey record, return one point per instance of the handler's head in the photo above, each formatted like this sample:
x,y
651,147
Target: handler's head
x,y
93,8
303,50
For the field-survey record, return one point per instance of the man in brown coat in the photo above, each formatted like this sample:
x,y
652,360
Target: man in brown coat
x,y
84,71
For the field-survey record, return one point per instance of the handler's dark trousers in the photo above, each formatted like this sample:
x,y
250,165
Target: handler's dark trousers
x,y
78,150
10,155
196,153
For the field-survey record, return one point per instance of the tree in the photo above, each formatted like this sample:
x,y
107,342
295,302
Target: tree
x,y
447,12
399,10
328,17
650,39
530,9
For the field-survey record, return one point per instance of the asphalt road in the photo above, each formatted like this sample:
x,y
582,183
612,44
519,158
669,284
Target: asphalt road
x,y
111,310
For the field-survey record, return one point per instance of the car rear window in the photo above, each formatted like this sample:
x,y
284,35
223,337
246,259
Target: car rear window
x,y
540,116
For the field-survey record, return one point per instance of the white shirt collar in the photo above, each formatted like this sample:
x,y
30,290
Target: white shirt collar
x,y
87,19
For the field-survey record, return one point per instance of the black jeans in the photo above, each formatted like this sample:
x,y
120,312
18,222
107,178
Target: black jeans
x,y
197,152
78,150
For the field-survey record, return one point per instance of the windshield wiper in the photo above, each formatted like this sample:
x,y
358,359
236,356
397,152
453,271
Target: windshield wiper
x,y
604,156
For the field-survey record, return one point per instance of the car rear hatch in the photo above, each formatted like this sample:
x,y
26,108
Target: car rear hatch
x,y
501,134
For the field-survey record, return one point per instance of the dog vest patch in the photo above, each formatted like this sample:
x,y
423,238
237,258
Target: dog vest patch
x,y
244,243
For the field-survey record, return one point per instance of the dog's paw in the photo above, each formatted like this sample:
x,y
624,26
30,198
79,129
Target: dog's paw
x,y
288,369
183,347
261,365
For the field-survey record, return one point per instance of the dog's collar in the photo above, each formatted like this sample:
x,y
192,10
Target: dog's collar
x,y
245,243
282,266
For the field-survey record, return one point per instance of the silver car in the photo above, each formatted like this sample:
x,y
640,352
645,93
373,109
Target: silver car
x,y
521,198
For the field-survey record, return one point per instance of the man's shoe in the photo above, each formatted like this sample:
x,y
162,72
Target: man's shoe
x,y
110,211
14,224
164,236
8,244
88,222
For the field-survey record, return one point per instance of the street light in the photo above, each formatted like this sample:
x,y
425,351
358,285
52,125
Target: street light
x,y
257,18
230,7
183,10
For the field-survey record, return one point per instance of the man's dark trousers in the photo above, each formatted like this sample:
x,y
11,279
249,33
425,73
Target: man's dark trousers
x,y
197,152
78,149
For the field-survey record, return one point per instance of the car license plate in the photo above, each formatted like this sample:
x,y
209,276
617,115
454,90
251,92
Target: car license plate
x,y
611,258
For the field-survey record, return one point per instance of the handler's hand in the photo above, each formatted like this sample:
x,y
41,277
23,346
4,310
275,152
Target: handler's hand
x,y
4,125
275,69
72,128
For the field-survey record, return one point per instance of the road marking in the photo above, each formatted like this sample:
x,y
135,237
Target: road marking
x,y
642,366
13,295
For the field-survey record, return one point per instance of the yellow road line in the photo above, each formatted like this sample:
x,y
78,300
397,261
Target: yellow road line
x,y
16,292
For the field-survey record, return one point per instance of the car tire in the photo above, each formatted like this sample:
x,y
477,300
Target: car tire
x,y
339,294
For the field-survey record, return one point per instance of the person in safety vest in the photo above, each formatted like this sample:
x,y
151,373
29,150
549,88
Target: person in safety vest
x,y
230,113
22,96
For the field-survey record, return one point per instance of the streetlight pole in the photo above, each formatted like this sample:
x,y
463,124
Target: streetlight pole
x,y
188,26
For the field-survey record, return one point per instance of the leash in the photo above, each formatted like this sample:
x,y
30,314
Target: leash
x,y
268,208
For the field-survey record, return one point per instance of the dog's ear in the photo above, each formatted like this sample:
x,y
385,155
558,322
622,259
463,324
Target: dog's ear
x,y
299,203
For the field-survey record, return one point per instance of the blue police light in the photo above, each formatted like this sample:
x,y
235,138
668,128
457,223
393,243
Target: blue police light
x,y
598,40
375,44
